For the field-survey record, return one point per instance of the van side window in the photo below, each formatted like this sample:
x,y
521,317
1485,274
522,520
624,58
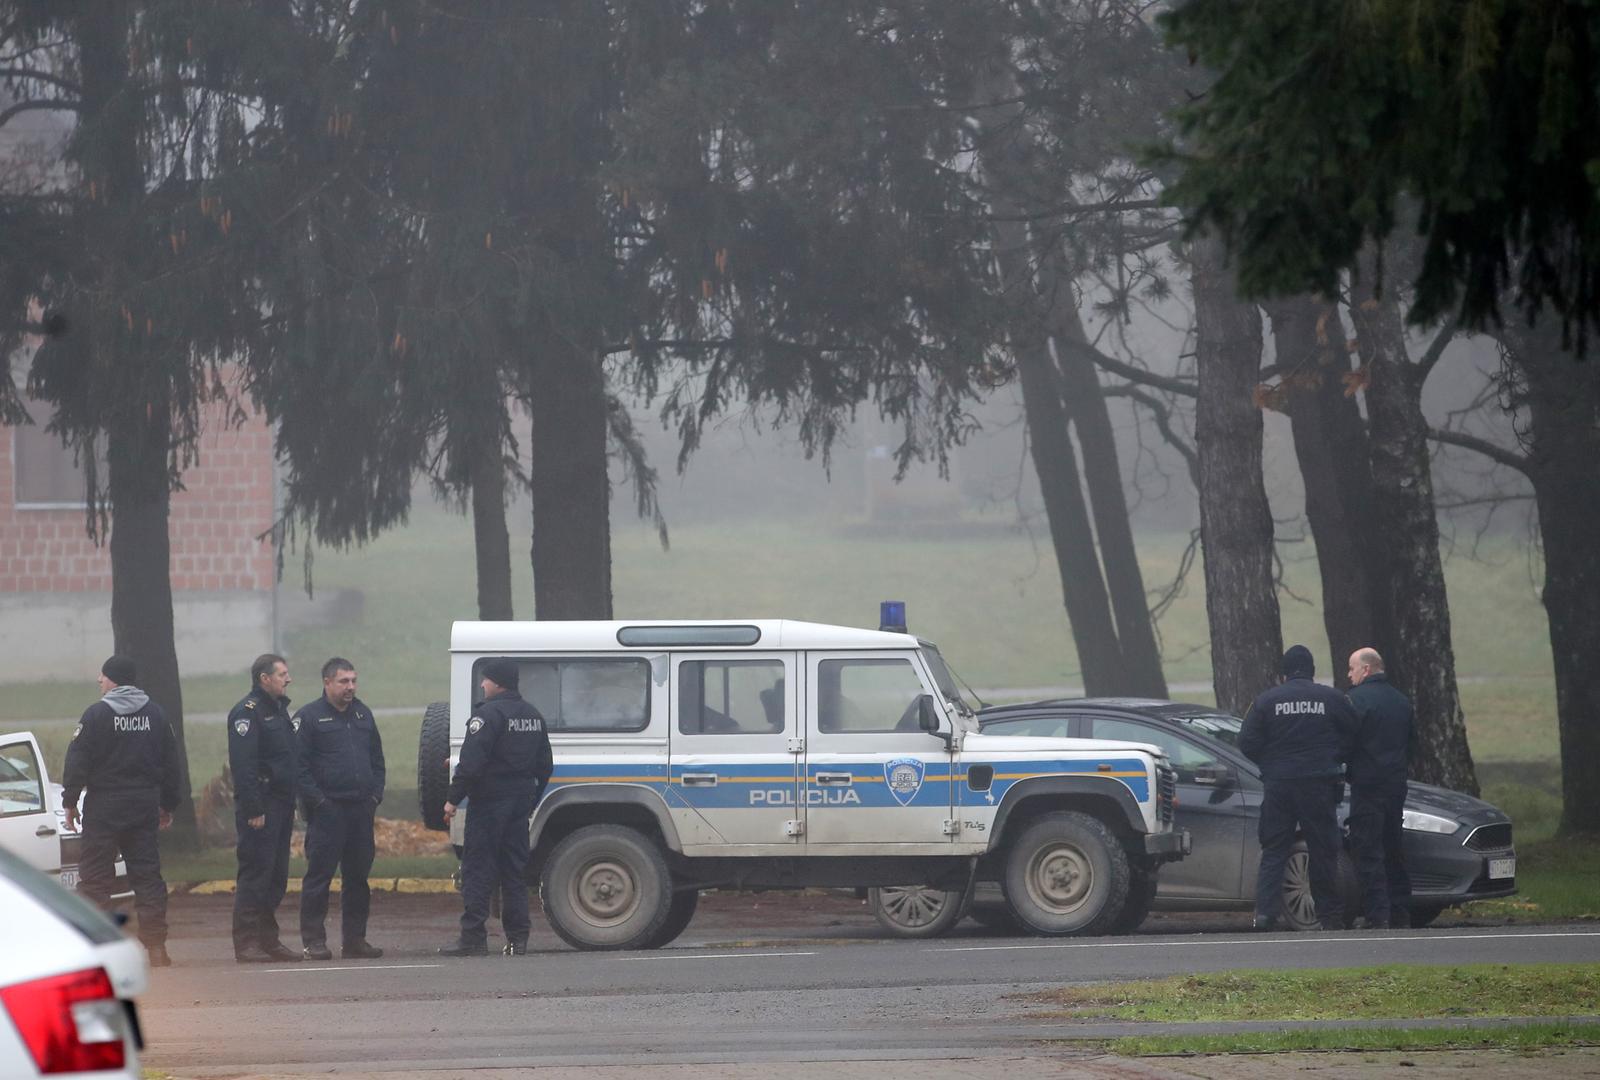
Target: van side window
x,y
867,695
730,697
584,695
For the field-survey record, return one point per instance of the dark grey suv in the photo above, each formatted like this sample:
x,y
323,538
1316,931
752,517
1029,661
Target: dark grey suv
x,y
1458,848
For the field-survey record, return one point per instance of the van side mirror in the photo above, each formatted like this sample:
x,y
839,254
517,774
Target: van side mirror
x,y
928,719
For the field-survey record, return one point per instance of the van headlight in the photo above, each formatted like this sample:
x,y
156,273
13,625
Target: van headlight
x,y
1417,821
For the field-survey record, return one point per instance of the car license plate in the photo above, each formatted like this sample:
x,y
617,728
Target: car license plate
x,y
69,879
1503,868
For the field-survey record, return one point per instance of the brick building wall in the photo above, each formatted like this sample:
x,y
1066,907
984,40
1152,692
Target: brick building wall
x,y
55,583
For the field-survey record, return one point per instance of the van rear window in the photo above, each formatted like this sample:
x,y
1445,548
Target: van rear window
x,y
593,695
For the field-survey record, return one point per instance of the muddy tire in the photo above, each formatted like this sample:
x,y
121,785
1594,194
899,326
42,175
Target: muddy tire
x,y
607,887
917,911
1067,875
433,765
1141,894
679,915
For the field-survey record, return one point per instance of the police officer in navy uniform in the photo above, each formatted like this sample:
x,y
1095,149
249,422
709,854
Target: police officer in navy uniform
x,y
1298,733
1380,758
263,760
340,785
504,768
124,753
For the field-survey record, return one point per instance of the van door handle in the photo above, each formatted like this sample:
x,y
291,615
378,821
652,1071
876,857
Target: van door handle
x,y
834,777
44,830
698,779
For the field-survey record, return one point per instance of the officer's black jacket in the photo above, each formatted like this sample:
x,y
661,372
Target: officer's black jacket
x,y
262,754
123,745
1298,730
507,751
1385,733
341,754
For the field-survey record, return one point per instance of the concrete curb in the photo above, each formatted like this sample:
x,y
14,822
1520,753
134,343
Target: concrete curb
x,y
224,887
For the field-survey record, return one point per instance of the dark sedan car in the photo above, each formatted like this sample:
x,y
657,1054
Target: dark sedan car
x,y
1458,848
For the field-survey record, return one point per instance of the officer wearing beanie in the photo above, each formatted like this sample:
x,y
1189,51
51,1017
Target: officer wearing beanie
x,y
1299,733
124,754
504,768
263,759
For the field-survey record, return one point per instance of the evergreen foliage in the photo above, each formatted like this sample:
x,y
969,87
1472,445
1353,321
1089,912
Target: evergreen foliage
x,y
1330,124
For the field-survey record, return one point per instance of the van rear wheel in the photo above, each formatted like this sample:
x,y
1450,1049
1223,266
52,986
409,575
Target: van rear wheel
x,y
607,887
917,911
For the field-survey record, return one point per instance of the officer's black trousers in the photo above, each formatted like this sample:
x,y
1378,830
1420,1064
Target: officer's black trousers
x,y
1311,805
1377,838
125,822
338,837
496,854
263,875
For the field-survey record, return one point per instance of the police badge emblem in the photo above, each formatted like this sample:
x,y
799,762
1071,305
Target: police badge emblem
x,y
77,731
295,723
242,727
474,724
904,777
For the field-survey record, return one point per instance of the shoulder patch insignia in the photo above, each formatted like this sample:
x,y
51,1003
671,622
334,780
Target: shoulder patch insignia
x,y
77,731
242,726
295,723
474,724
904,777
249,703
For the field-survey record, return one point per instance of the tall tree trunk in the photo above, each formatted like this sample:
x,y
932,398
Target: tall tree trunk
x,y
1056,464
1330,447
1102,472
571,489
141,578
139,432
1420,658
1235,517
1564,465
490,536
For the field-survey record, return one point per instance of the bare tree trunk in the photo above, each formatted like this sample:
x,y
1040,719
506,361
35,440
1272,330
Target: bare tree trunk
x,y
1235,517
1331,449
139,434
1056,464
1420,658
1564,465
1086,407
491,538
571,489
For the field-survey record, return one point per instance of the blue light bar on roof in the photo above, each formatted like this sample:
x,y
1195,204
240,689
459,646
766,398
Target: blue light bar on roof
x,y
892,616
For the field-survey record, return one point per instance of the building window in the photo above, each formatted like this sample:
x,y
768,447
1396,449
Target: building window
x,y
45,473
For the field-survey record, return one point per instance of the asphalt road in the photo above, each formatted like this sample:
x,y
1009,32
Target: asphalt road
x,y
754,979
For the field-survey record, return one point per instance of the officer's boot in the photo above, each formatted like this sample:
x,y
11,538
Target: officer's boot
x,y
515,948
253,954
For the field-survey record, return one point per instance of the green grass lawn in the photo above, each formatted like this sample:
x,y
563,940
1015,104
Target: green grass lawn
x,y
1513,1037
988,594
1378,993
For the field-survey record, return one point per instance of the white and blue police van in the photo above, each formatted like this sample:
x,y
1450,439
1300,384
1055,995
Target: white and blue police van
x,y
772,754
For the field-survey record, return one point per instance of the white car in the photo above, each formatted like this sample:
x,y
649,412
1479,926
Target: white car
x,y
68,984
33,818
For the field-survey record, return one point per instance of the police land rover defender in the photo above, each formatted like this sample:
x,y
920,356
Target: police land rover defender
x,y
782,754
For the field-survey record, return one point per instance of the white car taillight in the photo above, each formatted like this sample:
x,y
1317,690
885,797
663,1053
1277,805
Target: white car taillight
x,y
70,1023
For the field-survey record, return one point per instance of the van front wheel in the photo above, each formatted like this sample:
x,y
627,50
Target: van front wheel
x,y
607,887
1067,874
